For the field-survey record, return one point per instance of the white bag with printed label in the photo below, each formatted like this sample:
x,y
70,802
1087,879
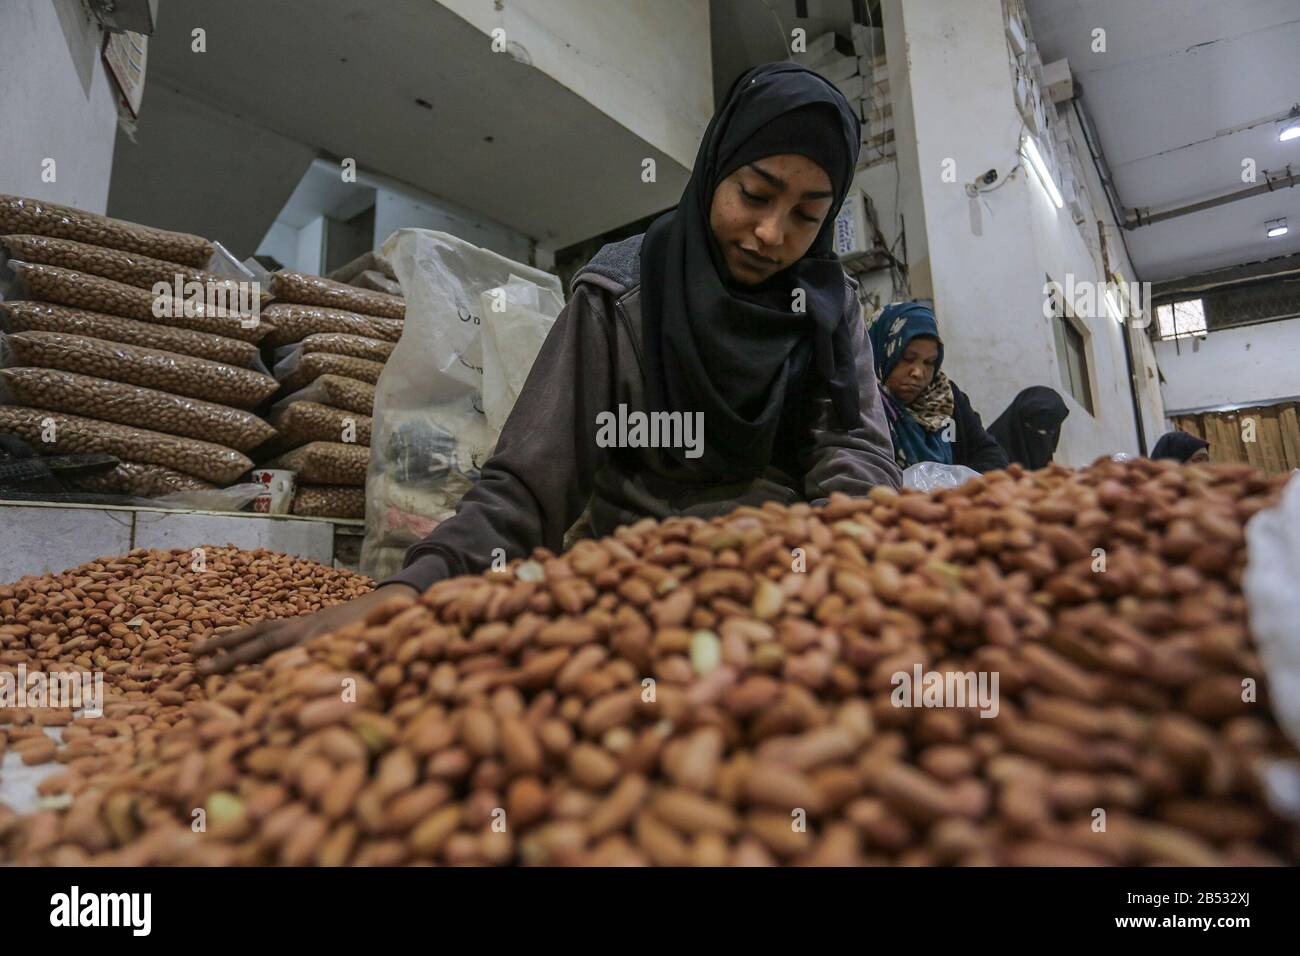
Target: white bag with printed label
x,y
474,323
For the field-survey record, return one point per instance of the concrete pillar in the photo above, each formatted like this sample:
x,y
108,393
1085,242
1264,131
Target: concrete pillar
x,y
955,112
57,104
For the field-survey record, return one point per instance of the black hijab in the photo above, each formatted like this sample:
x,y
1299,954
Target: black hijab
x,y
731,351
1178,445
1020,429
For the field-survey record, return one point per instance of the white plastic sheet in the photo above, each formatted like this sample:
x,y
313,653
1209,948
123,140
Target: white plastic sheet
x,y
432,428
1272,588
933,475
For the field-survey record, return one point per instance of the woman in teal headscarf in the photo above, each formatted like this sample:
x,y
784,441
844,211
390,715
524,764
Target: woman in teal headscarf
x,y
930,419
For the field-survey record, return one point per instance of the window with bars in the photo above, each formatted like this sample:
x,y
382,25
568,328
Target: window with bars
x,y
1180,320
1071,353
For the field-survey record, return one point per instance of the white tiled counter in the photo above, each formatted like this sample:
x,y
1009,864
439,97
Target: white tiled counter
x,y
41,538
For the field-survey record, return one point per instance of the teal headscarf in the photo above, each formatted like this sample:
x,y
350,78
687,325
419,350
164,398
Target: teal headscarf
x,y
918,428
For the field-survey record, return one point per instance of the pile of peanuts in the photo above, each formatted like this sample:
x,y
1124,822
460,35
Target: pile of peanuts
x,y
290,286
56,433
329,501
136,270
20,215
43,388
342,335
326,463
722,692
348,394
133,618
44,317
313,365
139,365
292,323
147,481
81,290
358,346
299,423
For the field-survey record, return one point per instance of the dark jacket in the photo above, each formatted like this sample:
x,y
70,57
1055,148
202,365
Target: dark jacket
x,y
548,472
975,448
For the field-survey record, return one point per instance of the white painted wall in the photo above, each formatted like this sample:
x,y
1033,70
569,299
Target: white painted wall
x,y
953,99
281,241
55,102
311,246
294,237
648,66
1241,366
398,209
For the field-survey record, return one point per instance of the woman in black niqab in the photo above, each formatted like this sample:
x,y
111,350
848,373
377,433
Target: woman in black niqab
x,y
1030,428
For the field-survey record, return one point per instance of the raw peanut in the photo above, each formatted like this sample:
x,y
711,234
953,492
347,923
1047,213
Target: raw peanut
x,y
593,766
659,842
520,748
775,785
692,813
777,832
700,757
526,800
432,832
618,808
909,791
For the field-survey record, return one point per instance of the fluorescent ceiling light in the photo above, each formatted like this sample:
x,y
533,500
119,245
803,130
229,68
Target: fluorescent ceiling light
x,y
1276,228
1113,307
1029,150
1290,129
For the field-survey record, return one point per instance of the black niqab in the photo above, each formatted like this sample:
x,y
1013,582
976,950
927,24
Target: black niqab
x,y
730,351
1030,428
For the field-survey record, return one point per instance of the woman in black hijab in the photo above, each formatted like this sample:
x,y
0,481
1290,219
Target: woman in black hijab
x,y
1030,428
1180,446
730,317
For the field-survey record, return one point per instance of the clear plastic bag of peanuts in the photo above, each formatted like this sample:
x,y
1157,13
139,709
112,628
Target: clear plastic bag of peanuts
x,y
430,433
933,475
1273,607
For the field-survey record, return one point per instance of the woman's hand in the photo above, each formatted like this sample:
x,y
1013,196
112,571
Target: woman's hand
x,y
264,638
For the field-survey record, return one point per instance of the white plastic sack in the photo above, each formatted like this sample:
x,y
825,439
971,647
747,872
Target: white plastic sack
x,y
1272,588
516,319
933,475
431,433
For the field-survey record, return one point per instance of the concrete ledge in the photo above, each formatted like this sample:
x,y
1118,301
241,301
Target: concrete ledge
x,y
48,537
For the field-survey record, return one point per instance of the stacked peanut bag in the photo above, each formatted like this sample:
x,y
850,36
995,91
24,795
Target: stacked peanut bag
x,y
119,341
332,341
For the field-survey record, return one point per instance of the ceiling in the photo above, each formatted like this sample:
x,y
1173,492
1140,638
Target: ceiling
x,y
343,78
1175,77
745,33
